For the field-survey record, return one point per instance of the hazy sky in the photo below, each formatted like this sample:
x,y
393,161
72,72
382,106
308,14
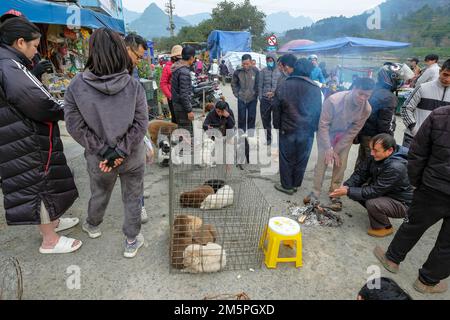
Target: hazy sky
x,y
316,9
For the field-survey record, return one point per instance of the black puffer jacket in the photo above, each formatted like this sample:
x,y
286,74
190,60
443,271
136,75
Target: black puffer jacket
x,y
388,178
297,106
181,87
429,156
32,163
382,119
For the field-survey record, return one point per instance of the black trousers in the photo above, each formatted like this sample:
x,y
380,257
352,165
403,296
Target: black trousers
x,y
266,117
428,208
295,149
172,111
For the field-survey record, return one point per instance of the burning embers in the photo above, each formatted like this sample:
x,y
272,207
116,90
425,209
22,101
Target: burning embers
x,y
313,214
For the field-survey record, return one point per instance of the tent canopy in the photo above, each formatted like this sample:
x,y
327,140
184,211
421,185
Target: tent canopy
x,y
295,44
233,60
39,11
350,45
221,42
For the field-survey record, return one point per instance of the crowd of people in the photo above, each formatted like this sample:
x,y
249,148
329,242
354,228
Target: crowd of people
x,y
411,182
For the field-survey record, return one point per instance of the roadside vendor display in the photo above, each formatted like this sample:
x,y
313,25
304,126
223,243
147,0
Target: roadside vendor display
x,y
67,50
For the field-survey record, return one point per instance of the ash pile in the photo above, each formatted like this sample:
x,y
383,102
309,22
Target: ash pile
x,y
313,214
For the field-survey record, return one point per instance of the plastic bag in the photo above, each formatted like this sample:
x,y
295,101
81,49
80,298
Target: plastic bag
x,y
149,151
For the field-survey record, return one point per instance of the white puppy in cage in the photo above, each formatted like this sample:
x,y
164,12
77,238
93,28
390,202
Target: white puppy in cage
x,y
198,258
223,198
207,152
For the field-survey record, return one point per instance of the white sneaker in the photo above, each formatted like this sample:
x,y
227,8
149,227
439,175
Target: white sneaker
x,y
144,216
93,232
132,249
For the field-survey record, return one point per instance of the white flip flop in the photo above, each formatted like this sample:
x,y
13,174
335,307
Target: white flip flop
x,y
66,223
64,245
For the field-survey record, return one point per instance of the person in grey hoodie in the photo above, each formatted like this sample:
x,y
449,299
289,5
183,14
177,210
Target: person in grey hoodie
x,y
106,112
267,86
245,89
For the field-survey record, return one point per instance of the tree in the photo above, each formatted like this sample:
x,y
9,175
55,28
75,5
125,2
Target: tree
x,y
230,16
227,16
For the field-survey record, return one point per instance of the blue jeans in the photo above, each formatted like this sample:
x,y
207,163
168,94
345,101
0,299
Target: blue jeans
x,y
247,115
295,149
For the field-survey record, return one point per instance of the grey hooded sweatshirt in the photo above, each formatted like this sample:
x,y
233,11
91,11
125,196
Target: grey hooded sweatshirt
x,y
109,111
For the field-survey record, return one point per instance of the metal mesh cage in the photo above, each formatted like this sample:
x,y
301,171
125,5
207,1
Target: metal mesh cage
x,y
217,216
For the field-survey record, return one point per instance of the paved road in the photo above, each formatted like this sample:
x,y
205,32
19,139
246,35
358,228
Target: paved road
x,y
335,260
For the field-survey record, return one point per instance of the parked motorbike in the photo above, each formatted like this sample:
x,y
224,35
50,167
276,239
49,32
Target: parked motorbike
x,y
211,92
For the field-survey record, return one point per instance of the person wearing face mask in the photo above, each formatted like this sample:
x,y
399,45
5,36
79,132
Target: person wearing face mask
x,y
267,86
286,65
38,185
343,116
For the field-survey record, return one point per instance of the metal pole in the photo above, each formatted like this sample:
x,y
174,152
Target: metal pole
x,y
169,10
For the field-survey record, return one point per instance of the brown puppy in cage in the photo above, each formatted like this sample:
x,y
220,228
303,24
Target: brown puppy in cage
x,y
183,230
189,230
194,198
205,234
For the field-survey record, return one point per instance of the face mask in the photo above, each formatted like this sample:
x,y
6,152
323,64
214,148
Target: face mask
x,y
271,64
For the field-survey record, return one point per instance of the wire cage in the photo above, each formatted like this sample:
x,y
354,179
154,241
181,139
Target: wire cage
x,y
217,217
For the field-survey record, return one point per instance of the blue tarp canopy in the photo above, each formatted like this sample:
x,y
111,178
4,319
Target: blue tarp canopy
x,y
350,45
221,42
39,11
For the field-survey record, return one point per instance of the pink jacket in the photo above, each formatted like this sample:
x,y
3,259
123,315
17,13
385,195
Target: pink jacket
x,y
340,121
166,80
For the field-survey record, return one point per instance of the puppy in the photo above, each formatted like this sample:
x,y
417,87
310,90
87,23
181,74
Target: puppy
x,y
215,184
184,228
207,152
206,233
155,126
194,198
209,258
222,199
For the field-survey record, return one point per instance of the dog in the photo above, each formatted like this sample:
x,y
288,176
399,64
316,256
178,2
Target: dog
x,y
209,258
223,198
215,184
194,198
207,152
206,233
157,126
184,228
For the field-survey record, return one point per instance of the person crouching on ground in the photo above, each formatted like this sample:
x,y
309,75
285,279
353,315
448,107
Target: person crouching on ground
x,y
381,184
106,112
221,118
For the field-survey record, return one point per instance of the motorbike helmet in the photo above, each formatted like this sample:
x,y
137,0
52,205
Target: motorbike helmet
x,y
389,76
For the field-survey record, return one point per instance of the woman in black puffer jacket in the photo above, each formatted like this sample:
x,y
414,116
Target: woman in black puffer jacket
x,y
38,186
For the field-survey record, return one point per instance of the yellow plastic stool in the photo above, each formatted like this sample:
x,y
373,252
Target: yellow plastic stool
x,y
281,230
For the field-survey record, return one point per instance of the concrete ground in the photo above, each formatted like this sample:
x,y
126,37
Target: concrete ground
x,y
336,261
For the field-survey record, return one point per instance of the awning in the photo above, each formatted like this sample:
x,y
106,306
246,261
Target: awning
x,y
350,45
294,44
39,11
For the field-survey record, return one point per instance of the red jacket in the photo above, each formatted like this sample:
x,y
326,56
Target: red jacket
x,y
166,80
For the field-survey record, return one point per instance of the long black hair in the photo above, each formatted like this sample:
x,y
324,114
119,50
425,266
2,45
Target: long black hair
x,y
14,29
107,53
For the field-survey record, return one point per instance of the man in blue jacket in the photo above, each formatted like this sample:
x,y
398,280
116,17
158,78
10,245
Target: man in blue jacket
x,y
381,184
316,74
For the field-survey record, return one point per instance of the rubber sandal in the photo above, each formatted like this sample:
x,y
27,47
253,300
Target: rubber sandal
x,y
66,223
64,245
